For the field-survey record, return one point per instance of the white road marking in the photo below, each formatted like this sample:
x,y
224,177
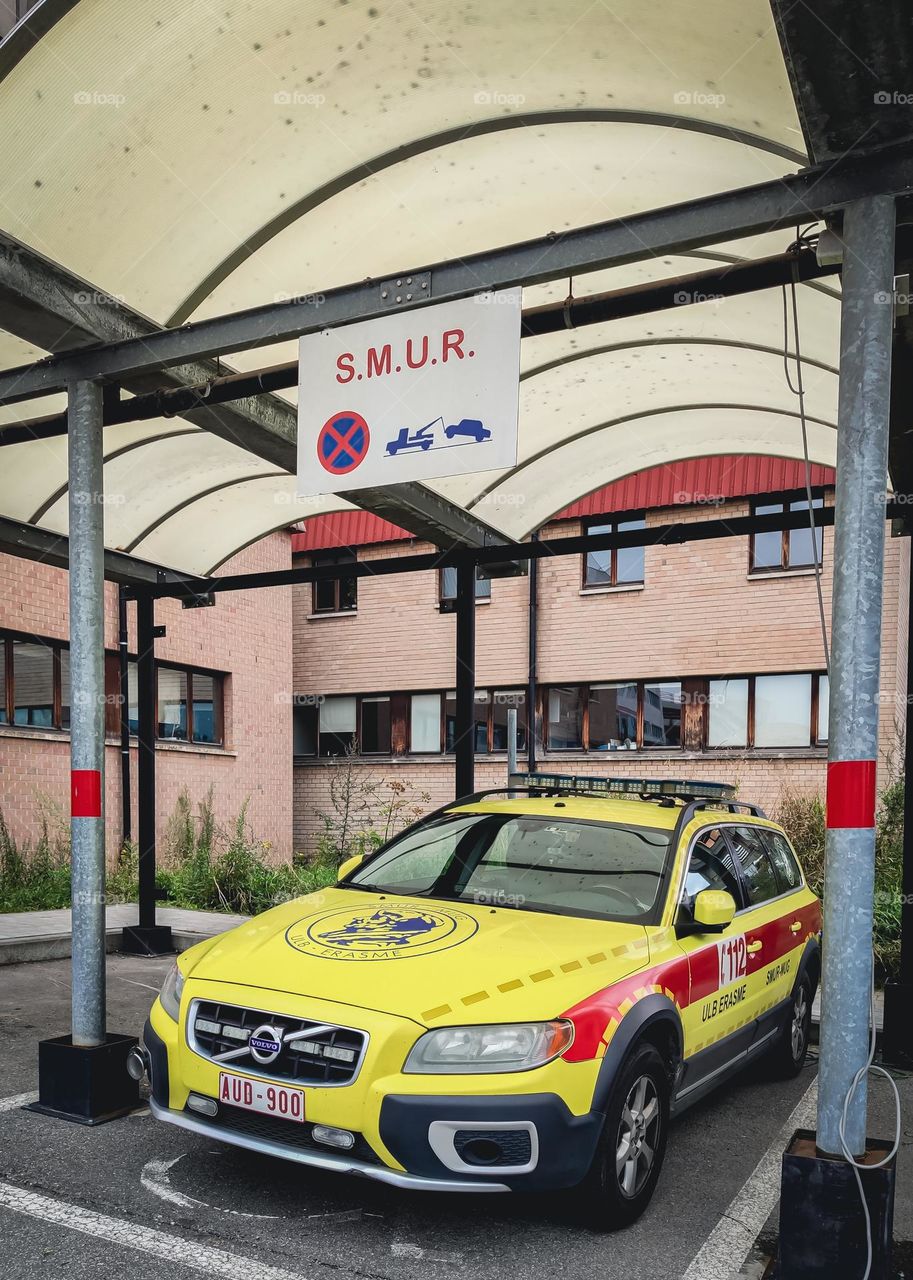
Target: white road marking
x,y
130,1235
17,1100
156,1177
729,1243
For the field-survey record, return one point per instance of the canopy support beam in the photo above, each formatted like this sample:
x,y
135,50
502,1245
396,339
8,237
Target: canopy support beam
x,y
464,733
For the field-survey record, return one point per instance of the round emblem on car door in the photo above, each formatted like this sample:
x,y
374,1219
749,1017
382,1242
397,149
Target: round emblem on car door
x,y
265,1044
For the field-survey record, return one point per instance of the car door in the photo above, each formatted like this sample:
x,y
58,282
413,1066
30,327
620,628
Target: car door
x,y
769,921
718,1022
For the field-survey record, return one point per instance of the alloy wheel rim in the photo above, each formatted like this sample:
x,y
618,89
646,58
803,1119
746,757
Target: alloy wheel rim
x,y
797,1031
638,1134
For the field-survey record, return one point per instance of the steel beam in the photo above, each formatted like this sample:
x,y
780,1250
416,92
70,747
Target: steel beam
x,y
45,304
862,468
30,542
87,712
656,535
768,206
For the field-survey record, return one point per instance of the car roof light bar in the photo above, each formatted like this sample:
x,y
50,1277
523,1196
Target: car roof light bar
x,y
644,788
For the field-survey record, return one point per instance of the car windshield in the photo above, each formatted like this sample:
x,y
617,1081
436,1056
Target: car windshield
x,y
530,863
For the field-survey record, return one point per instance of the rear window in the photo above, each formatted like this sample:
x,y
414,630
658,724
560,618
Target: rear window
x,y
527,862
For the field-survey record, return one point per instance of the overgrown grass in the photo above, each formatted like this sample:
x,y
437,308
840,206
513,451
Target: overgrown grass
x,y
803,818
202,867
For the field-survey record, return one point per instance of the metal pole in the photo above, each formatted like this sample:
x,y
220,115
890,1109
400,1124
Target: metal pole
x,y
862,463
126,825
87,712
511,741
145,765
465,678
906,910
532,663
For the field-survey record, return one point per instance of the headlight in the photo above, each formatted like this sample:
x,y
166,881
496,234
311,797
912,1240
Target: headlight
x,y
518,1046
170,994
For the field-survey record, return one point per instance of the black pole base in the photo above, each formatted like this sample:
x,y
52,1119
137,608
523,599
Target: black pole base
x,y
148,940
897,1034
822,1225
85,1084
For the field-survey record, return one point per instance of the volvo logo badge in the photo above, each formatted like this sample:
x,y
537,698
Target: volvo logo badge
x,y
265,1043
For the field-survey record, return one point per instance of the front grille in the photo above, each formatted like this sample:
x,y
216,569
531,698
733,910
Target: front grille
x,y
332,1056
287,1133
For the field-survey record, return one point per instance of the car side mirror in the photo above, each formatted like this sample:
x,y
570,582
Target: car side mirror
x,y
350,864
713,910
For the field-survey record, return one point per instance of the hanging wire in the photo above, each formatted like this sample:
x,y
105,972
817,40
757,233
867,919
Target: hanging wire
x,y
799,391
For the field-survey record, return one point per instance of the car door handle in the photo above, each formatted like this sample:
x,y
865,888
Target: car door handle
x,y
754,947
795,926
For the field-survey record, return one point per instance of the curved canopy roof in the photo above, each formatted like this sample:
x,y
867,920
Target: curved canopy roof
x,y
192,160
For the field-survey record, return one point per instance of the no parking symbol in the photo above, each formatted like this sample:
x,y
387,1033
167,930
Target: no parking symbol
x,y
343,443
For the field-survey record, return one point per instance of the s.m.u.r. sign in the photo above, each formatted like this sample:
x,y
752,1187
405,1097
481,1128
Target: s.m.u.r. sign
x,y
410,395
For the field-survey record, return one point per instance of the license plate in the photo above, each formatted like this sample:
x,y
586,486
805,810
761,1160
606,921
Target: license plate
x,y
257,1095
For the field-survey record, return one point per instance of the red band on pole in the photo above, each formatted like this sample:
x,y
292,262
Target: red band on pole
x,y
851,793
85,793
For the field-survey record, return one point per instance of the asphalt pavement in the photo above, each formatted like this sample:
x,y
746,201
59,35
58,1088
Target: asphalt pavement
x,y
139,1198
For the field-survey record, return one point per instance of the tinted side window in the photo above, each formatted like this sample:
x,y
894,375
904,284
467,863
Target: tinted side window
x,y
711,867
784,861
757,868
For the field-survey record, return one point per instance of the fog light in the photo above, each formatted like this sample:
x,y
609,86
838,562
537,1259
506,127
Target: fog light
x,y
205,1106
333,1137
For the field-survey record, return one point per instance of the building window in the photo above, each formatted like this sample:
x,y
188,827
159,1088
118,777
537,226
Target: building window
x,y
727,705
337,594
612,720
338,722
662,714
769,711
619,566
565,718
304,726
376,724
425,722
33,685
447,587
503,701
782,710
785,549
189,705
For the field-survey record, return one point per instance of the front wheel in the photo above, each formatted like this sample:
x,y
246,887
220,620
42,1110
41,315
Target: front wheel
x,y
787,1056
625,1169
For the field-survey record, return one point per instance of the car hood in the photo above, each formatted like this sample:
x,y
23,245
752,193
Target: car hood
x,y
426,959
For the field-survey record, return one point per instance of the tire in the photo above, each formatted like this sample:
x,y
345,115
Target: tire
x,y
618,1188
787,1055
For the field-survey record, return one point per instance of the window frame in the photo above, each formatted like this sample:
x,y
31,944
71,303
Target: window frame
x,y
320,559
611,525
218,703
584,691
11,638
783,500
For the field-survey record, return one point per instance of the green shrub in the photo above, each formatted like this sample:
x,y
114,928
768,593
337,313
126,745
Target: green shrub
x,y
803,818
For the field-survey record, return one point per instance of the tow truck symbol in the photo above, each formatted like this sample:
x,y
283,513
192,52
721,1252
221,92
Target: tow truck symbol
x,y
423,438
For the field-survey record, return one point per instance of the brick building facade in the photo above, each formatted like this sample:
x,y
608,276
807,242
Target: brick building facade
x,y
708,658
224,679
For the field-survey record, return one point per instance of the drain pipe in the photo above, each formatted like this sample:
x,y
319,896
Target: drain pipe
x,y
532,679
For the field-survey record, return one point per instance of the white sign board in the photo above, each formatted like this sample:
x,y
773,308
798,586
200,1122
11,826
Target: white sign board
x,y
410,396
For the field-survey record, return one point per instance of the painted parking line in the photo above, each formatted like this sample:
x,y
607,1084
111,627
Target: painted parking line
x,y
130,1235
17,1100
732,1239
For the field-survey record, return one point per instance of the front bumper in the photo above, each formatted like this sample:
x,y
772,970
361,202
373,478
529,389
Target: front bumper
x,y
407,1134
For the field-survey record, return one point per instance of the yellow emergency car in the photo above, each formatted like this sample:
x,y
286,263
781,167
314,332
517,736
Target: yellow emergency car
x,y
516,993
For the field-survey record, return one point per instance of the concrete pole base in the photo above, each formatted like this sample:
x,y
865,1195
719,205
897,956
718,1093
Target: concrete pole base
x,y
151,940
86,1084
822,1225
